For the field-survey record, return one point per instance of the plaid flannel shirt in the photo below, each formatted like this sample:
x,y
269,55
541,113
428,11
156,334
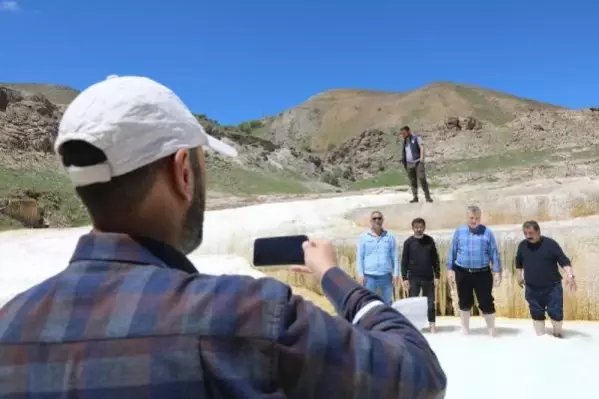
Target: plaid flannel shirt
x,y
132,319
474,249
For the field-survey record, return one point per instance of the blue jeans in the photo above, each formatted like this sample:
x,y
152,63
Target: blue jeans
x,y
383,283
548,299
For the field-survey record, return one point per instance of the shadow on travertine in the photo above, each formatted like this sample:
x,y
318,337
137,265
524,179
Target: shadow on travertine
x,y
574,333
447,329
501,331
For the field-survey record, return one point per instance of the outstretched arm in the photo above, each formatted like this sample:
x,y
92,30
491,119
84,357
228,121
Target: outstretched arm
x,y
371,351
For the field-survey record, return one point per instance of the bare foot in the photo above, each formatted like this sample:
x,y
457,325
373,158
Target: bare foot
x,y
465,331
492,332
558,335
433,329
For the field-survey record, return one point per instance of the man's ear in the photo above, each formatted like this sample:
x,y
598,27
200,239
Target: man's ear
x,y
182,175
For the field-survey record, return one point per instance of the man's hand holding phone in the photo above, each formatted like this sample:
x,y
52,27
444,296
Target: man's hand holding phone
x,y
319,257
301,253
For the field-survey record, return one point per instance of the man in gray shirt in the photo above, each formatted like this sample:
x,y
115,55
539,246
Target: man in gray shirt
x,y
412,157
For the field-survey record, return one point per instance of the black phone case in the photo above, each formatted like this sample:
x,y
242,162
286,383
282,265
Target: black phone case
x,y
279,251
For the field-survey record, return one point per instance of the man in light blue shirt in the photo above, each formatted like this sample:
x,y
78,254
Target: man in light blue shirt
x,y
377,259
474,265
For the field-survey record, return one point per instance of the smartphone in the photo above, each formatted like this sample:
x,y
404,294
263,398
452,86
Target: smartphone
x,y
279,251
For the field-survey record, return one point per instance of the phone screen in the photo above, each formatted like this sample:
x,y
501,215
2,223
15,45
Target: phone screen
x,y
279,251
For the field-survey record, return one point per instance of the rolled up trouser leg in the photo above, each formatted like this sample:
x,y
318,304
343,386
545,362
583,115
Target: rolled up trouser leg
x,y
465,290
483,288
536,297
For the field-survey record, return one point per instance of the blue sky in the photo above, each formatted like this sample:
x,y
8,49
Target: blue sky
x,y
237,60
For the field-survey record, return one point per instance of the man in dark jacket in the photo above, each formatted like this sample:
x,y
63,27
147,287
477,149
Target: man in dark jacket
x,y
412,158
420,268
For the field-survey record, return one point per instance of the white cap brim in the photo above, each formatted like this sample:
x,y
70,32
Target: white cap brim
x,y
220,147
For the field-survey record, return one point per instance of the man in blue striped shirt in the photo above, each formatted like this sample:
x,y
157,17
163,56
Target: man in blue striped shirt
x,y
377,259
474,265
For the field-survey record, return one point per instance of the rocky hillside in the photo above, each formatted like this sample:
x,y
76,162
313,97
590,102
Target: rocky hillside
x,y
29,123
29,173
336,140
356,131
56,94
459,116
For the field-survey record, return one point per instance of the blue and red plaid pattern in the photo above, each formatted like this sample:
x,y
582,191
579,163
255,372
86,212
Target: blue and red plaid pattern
x,y
118,322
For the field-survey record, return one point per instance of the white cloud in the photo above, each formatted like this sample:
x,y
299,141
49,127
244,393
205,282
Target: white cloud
x,y
9,5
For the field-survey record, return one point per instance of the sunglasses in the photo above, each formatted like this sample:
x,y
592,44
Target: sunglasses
x,y
377,218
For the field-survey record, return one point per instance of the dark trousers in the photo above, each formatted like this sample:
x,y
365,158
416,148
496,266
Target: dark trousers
x,y
479,282
549,299
428,290
418,174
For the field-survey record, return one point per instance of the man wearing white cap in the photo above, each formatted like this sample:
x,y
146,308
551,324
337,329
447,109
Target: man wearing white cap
x,y
130,316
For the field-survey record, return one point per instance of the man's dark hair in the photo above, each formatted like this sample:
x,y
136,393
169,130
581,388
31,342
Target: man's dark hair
x,y
531,224
120,196
406,128
418,221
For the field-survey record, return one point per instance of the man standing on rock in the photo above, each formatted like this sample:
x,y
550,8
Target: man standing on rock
x,y
537,261
130,316
474,265
377,258
412,158
420,269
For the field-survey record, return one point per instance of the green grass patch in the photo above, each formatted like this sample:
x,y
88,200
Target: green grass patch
x,y
483,108
236,180
397,177
387,178
63,208
56,194
499,161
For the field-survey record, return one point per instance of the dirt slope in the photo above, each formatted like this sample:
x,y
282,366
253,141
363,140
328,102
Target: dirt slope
x,y
330,118
57,94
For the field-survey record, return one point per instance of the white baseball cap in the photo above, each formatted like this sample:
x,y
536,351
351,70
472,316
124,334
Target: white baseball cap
x,y
134,121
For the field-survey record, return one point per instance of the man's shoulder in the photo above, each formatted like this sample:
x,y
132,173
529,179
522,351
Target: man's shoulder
x,y
550,240
25,305
461,228
390,234
429,239
365,235
487,229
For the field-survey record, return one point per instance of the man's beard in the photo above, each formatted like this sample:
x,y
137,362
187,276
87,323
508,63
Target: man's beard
x,y
194,220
